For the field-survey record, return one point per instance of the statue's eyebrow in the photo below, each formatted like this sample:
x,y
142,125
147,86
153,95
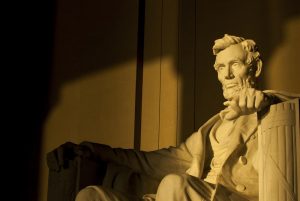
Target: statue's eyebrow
x,y
217,65
235,61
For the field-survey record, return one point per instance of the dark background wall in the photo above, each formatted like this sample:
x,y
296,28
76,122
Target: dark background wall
x,y
268,22
27,77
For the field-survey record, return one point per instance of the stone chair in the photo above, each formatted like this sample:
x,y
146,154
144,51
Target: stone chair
x,y
72,166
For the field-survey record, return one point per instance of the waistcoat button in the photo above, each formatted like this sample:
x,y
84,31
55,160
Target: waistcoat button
x,y
253,137
240,188
243,160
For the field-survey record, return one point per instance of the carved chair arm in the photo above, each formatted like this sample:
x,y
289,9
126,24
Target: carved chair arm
x,y
71,168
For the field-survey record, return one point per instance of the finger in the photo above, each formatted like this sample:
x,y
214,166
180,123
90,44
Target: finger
x,y
250,102
245,90
245,83
242,102
259,97
251,91
240,83
250,99
248,83
233,105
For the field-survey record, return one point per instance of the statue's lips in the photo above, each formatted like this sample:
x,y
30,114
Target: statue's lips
x,y
231,85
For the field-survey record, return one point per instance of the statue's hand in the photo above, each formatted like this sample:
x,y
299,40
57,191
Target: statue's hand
x,y
60,156
248,101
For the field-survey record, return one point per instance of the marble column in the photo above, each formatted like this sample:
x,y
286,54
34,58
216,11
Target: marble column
x,y
279,153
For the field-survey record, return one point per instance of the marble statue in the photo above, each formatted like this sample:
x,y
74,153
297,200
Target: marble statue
x,y
230,157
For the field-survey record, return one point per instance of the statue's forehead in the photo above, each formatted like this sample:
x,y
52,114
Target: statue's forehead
x,y
232,52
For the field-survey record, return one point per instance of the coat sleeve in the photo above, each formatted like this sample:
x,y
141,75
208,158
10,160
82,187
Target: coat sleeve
x,y
280,96
155,163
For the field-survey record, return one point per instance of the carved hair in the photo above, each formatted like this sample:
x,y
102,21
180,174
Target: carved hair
x,y
253,56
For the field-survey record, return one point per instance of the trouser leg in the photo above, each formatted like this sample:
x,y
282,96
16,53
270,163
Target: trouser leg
x,y
99,193
186,188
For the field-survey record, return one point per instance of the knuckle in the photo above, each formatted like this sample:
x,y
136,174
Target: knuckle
x,y
242,103
250,106
260,94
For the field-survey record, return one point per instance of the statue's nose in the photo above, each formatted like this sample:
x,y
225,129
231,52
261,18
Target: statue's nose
x,y
229,75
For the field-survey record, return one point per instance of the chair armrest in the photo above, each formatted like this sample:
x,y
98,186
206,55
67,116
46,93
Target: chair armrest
x,y
70,172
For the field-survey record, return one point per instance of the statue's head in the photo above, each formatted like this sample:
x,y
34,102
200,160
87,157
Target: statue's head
x,y
237,63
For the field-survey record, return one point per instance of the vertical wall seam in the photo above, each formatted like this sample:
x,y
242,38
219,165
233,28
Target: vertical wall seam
x,y
139,75
178,137
195,64
160,71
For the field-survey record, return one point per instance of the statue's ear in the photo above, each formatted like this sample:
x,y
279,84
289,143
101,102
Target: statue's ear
x,y
258,68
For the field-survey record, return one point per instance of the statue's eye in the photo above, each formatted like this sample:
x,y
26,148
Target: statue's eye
x,y
221,68
235,65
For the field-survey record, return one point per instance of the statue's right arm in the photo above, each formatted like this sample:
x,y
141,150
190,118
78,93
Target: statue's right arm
x,y
156,163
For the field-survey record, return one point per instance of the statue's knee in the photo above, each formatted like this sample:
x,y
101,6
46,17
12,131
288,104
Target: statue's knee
x,y
172,182
88,194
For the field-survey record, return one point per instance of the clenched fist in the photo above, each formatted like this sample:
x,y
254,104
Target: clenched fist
x,y
247,101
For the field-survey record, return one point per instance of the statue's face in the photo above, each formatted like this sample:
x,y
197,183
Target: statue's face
x,y
232,71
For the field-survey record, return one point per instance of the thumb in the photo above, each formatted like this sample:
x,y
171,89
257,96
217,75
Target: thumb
x,y
231,115
226,103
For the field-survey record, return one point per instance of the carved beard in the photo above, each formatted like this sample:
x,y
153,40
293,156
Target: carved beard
x,y
229,93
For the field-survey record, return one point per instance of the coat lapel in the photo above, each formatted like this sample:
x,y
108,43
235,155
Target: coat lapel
x,y
248,126
197,147
244,127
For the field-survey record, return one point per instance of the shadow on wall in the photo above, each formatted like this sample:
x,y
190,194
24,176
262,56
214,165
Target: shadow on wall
x,y
93,76
95,44
282,70
91,37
